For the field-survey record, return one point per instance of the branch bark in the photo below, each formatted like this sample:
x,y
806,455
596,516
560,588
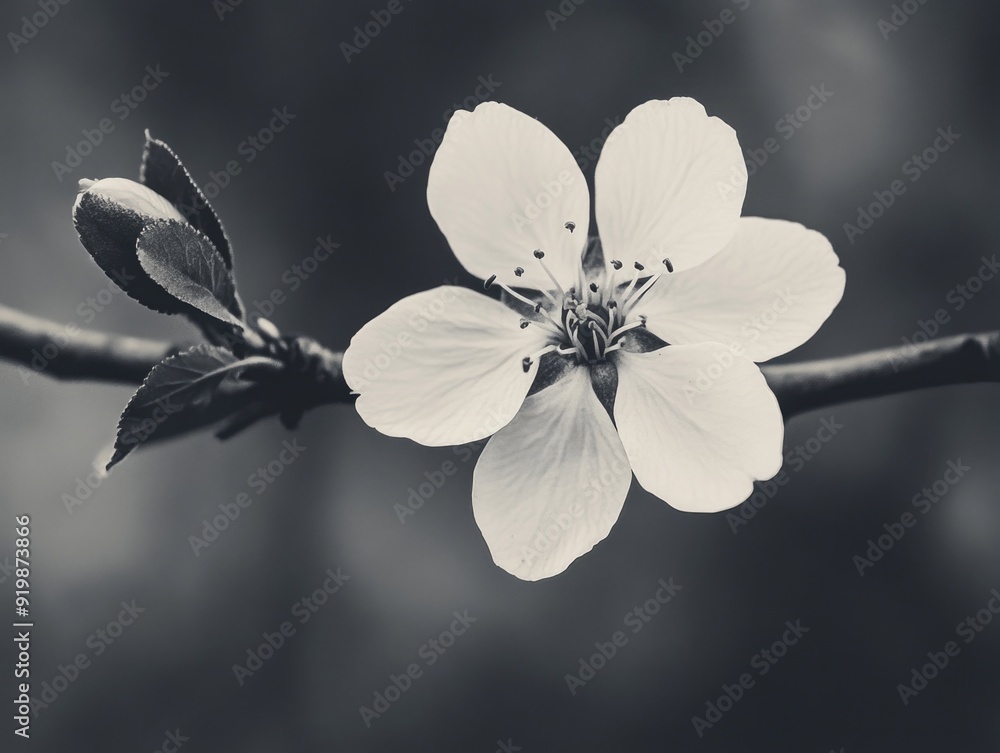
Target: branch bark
x,y
65,352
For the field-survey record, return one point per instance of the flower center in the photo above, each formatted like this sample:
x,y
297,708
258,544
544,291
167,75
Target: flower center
x,y
587,324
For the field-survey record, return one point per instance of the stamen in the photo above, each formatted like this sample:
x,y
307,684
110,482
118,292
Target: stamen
x,y
631,285
626,327
539,254
528,360
597,346
540,309
510,292
628,304
575,338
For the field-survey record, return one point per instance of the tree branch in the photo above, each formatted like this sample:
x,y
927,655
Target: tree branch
x,y
961,359
66,352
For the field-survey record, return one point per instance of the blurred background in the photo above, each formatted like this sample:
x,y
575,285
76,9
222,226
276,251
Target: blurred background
x,y
892,82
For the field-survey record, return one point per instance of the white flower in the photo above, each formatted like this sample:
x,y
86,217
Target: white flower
x,y
643,354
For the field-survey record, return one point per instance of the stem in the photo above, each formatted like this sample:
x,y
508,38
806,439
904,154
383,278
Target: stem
x,y
800,387
64,351
961,359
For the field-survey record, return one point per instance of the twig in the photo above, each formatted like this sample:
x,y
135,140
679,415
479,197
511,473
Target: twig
x,y
65,351
961,359
45,347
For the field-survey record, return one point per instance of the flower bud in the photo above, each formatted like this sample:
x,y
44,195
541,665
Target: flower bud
x,y
130,196
110,215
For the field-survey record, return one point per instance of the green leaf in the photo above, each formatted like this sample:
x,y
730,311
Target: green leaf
x,y
178,395
184,263
163,172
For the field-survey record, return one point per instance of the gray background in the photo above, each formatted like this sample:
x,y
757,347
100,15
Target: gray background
x,y
334,506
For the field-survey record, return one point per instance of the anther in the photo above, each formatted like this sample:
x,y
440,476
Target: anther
x,y
538,253
524,323
668,265
616,264
593,287
638,266
571,226
612,304
519,271
489,282
526,364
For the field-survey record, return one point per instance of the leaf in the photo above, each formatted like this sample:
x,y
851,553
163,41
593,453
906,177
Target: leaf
x,y
178,395
163,172
109,231
184,263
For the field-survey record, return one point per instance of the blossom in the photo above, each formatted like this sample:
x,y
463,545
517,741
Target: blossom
x,y
631,352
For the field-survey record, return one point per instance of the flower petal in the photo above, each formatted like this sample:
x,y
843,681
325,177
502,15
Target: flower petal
x,y
502,185
769,291
670,184
442,367
551,483
699,424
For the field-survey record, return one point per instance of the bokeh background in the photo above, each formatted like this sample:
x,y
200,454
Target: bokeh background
x,y
324,175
